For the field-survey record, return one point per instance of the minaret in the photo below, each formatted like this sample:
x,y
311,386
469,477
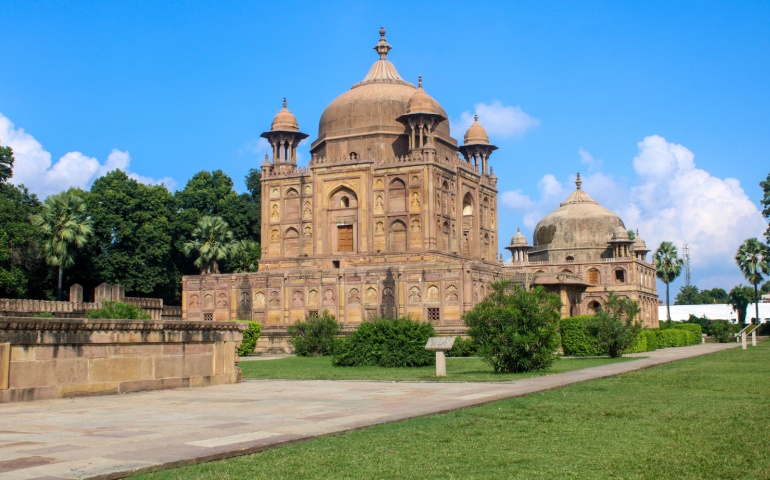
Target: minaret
x,y
422,117
284,136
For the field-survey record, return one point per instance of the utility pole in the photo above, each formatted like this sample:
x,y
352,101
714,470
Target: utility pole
x,y
686,253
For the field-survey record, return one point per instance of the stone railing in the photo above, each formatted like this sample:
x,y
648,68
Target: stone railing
x,y
43,358
14,306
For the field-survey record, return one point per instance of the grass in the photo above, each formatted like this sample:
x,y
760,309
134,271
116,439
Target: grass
x,y
458,370
704,417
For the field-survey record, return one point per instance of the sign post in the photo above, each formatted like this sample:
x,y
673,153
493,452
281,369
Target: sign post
x,y
440,345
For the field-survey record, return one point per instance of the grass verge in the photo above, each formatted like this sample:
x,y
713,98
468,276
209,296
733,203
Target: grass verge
x,y
698,418
458,370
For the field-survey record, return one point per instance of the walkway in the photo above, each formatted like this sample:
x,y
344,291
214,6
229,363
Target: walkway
x,y
113,436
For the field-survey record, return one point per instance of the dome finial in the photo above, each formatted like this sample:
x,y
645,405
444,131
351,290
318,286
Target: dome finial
x,y
578,181
419,81
382,46
476,118
284,102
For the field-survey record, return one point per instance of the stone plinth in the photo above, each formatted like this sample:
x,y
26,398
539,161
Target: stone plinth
x,y
57,358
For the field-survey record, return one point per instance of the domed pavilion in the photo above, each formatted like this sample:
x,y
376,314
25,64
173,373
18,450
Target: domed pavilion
x,y
390,217
582,251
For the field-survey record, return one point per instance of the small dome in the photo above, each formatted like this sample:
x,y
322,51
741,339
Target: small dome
x,y
421,102
285,120
639,244
519,239
620,235
476,133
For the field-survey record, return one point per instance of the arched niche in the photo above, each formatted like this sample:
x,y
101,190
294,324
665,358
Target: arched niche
x,y
397,236
291,242
397,195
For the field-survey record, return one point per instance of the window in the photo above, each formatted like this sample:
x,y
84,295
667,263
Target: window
x,y
344,202
353,156
593,276
335,264
208,317
345,238
620,276
570,258
434,314
312,313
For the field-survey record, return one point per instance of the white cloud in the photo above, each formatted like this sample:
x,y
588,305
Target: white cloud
x,y
670,199
33,166
588,159
497,119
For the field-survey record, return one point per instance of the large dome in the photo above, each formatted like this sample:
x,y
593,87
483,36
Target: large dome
x,y
580,227
373,105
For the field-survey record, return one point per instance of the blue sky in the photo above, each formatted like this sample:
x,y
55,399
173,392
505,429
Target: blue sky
x,y
662,106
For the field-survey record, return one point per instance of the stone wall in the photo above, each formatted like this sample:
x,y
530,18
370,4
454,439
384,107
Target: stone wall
x,y
43,358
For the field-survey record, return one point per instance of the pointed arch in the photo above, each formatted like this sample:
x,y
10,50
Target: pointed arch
x,y
397,236
397,195
291,242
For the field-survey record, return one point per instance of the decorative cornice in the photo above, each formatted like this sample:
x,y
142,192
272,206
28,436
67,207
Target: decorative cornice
x,y
69,325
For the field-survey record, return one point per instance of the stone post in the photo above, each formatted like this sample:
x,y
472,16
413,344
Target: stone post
x,y
440,345
76,293
102,293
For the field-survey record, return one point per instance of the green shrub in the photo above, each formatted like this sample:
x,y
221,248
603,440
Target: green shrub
x,y
674,337
118,310
44,315
646,341
463,347
382,342
250,336
614,326
695,329
316,336
721,330
515,330
576,341
702,321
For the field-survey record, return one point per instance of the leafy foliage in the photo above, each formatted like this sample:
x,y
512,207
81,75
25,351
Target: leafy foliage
x,y
250,337
753,258
766,204
668,266
690,295
316,336
64,226
212,242
6,163
134,229
576,340
244,256
614,326
384,342
721,330
646,341
739,298
118,310
515,330
463,347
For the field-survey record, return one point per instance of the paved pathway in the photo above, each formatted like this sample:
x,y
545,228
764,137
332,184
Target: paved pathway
x,y
113,436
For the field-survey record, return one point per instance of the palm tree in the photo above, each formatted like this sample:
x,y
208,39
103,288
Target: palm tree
x,y
212,241
668,266
752,258
64,224
244,256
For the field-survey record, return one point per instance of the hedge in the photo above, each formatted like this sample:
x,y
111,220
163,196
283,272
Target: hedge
x,y
695,328
382,342
250,336
646,341
677,337
463,347
576,341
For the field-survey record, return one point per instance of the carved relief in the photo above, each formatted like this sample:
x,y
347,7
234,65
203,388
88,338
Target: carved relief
x,y
415,202
274,235
378,183
371,296
307,210
274,215
451,294
307,231
414,294
379,204
208,301
307,190
328,297
245,301
274,193
354,299
222,300
259,299
195,302
312,298
275,300
415,179
379,227
297,300
416,225
431,294
387,296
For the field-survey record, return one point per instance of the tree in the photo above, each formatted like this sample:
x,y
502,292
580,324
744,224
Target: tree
x,y
135,226
688,295
752,258
766,203
615,326
668,266
244,256
212,242
316,336
739,298
516,330
715,295
65,226
6,163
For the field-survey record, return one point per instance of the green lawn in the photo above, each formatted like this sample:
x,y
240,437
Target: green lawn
x,y
699,418
458,370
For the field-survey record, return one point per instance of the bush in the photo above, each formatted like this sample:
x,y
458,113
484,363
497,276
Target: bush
x,y
576,340
250,336
721,330
694,328
316,336
515,330
702,321
463,347
674,337
646,341
614,326
118,310
383,342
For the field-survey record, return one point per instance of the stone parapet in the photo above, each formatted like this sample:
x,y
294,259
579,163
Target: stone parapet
x,y
43,358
